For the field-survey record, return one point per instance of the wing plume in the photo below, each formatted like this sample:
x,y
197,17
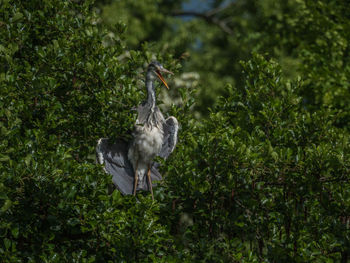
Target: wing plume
x,y
170,128
114,158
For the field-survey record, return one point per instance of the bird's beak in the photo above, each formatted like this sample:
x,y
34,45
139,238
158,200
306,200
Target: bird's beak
x,y
161,77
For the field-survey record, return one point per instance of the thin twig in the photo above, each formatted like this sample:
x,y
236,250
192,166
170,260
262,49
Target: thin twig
x,y
219,9
209,17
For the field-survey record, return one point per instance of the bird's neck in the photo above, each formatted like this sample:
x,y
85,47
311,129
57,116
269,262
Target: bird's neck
x,y
151,93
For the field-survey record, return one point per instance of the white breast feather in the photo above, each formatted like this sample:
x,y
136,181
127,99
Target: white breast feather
x,y
146,145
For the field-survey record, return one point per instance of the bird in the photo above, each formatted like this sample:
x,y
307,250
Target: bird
x,y
153,135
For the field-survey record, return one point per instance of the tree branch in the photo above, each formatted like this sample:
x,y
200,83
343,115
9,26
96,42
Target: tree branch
x,y
190,13
208,17
219,9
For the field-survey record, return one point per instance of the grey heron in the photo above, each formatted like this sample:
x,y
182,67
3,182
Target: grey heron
x,y
153,135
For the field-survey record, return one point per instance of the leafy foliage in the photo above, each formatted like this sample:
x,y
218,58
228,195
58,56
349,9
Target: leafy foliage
x,y
62,89
306,37
263,179
263,171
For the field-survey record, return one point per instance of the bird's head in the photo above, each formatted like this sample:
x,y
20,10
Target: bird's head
x,y
156,68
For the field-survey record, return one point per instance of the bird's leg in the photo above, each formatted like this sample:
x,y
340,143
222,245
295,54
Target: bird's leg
x,y
135,178
150,181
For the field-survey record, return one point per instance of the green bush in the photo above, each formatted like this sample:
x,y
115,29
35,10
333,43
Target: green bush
x,y
264,178
61,90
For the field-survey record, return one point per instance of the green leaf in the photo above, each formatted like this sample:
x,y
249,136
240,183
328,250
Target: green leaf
x,y
17,16
7,205
15,231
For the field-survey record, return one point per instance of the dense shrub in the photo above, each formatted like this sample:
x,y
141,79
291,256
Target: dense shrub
x,y
264,178
62,89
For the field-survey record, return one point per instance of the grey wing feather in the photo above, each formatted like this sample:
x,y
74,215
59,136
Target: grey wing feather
x,y
170,128
114,157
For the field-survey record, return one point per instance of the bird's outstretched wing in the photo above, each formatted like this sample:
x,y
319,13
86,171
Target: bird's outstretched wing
x,y
170,128
114,157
